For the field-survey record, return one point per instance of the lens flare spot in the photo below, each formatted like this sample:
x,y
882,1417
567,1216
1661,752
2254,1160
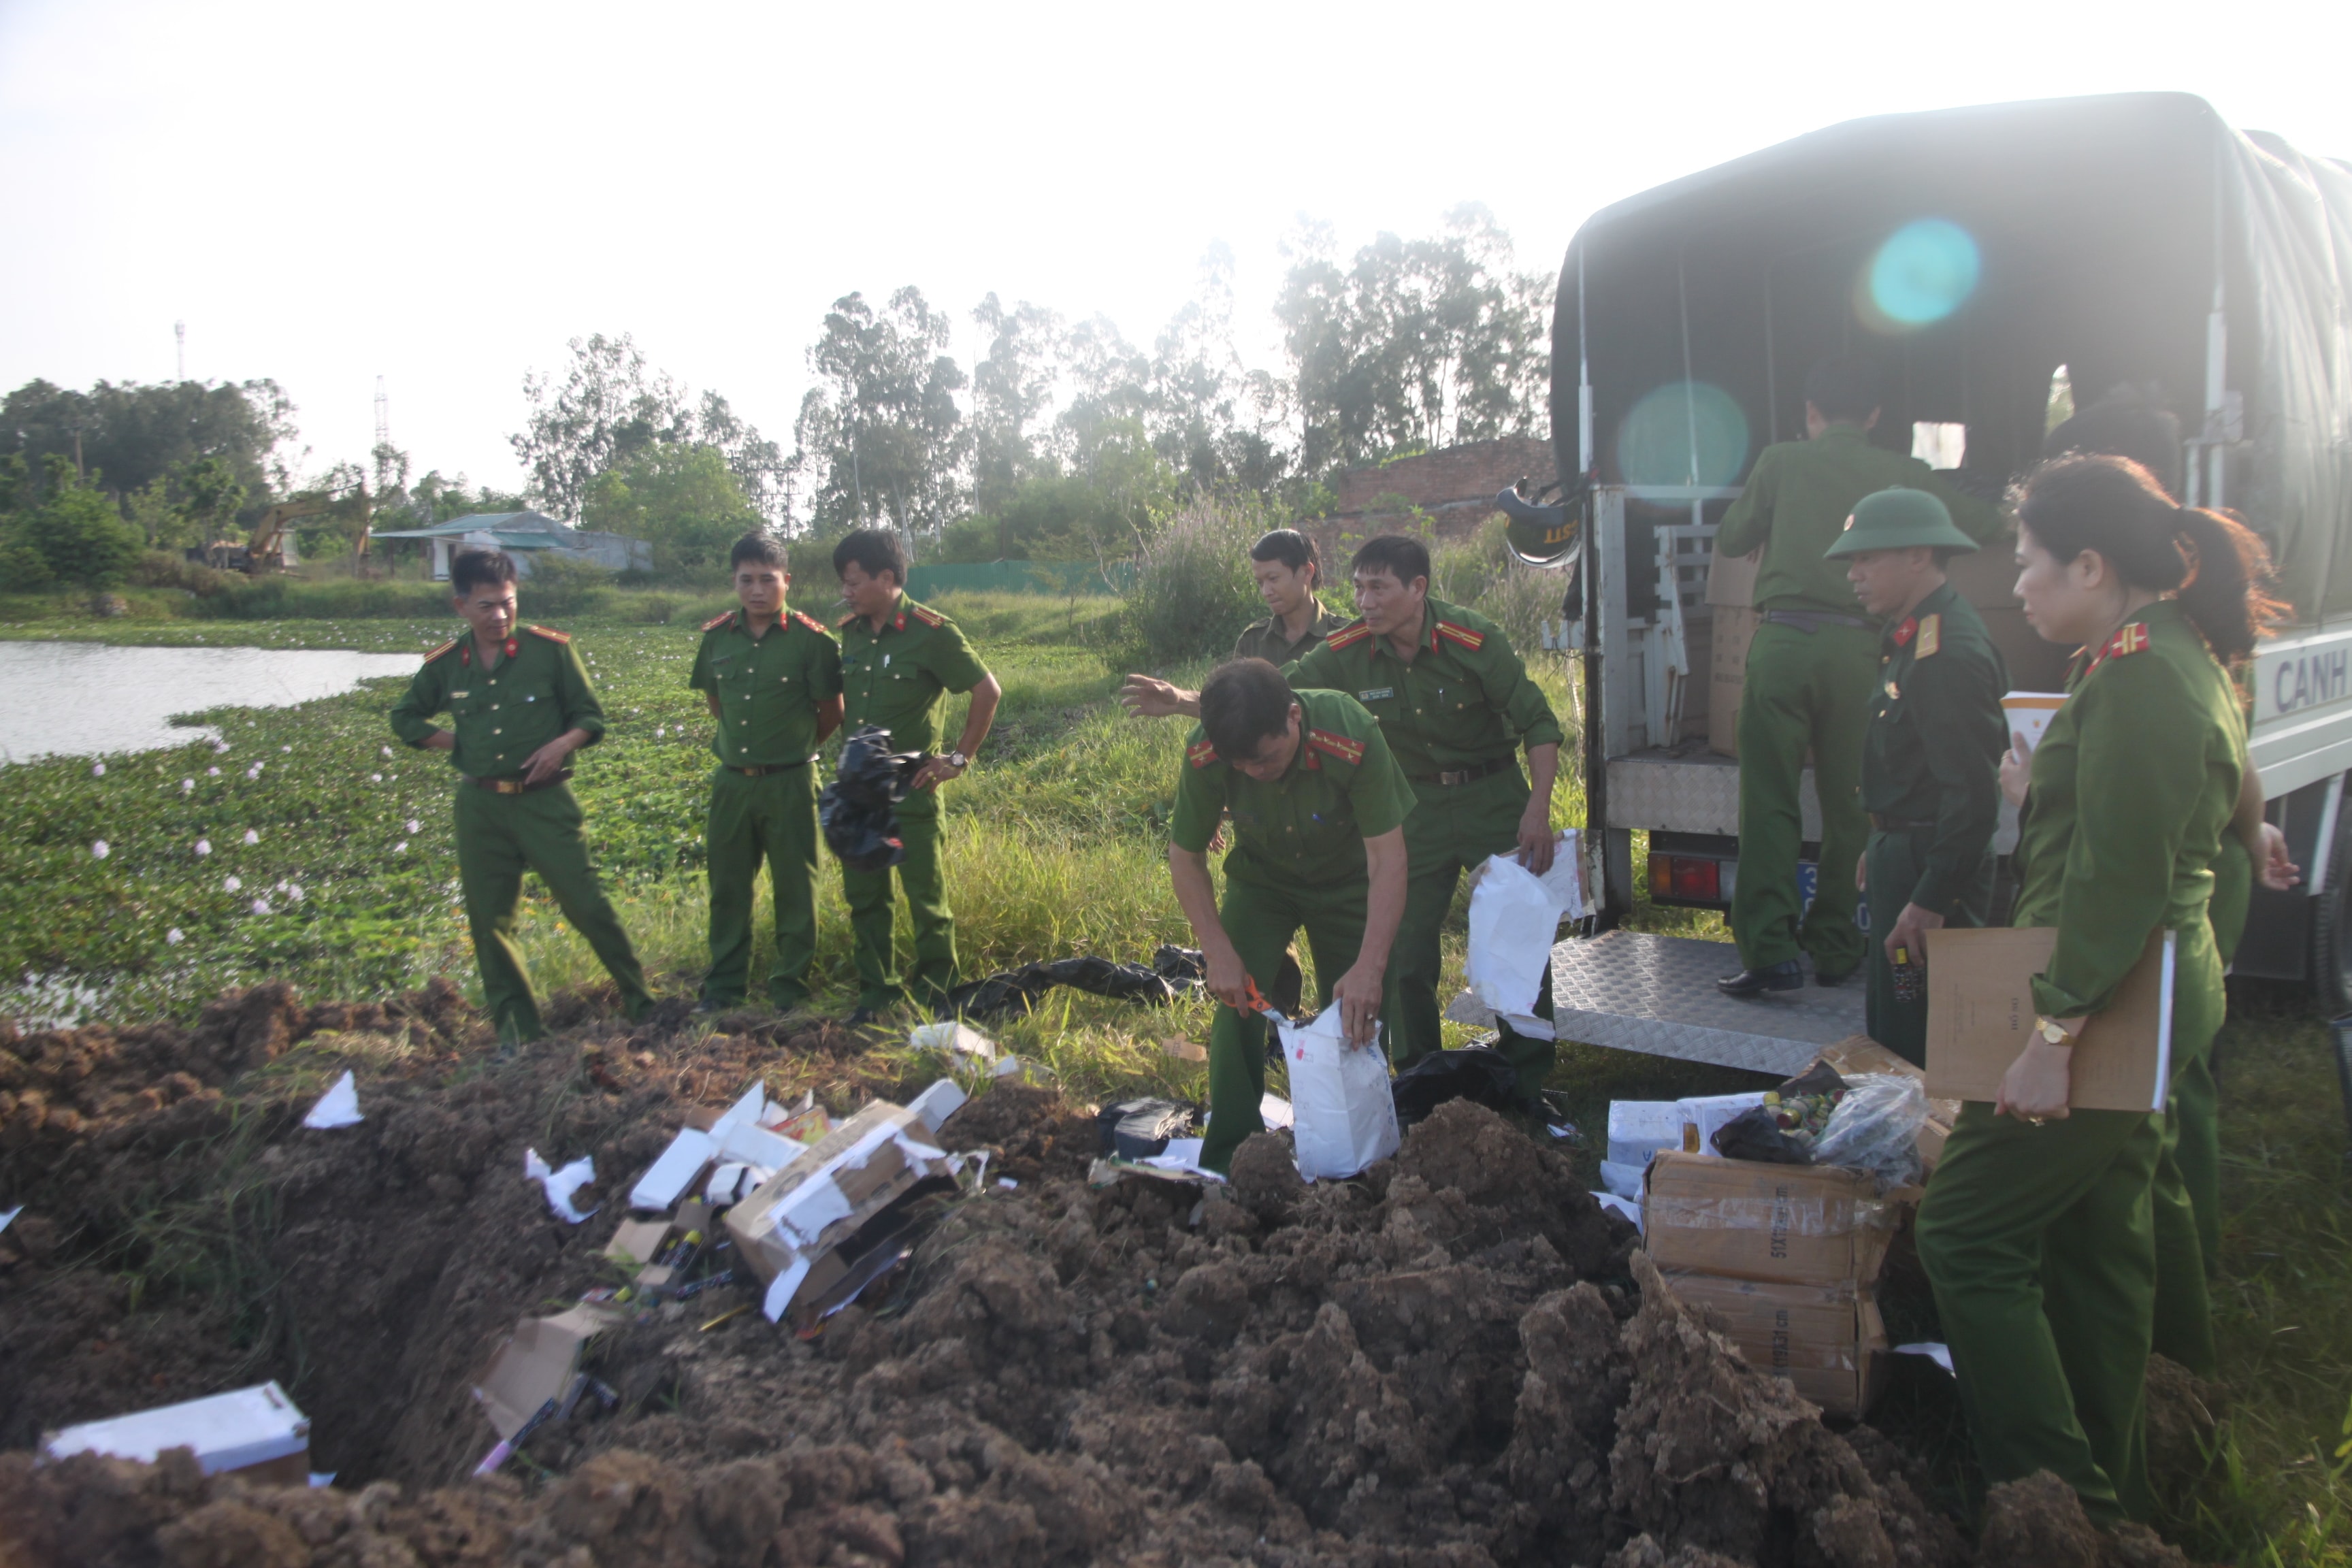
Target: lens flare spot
x,y
1925,271
1684,433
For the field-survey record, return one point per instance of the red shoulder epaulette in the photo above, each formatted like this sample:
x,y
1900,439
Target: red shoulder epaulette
x,y
926,614
1463,635
2131,638
549,633
811,622
1348,636
445,648
1200,754
718,620
1340,746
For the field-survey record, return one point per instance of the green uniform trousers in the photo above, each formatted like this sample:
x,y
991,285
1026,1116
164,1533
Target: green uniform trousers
x,y
923,879
2186,1195
771,818
500,836
1805,689
1260,922
1894,862
1453,829
2041,1246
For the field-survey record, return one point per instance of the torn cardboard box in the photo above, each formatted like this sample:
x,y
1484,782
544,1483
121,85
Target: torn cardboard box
x,y
1827,1340
536,1365
792,1230
1820,1225
255,1433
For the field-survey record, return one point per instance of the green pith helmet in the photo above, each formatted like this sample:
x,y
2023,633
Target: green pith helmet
x,y
1897,519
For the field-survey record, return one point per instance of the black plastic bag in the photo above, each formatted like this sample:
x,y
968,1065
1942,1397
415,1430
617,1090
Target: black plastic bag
x,y
1016,991
1818,1078
1137,1129
1475,1073
1755,1134
859,809
1185,969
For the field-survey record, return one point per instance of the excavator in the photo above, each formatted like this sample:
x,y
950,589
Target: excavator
x,y
267,547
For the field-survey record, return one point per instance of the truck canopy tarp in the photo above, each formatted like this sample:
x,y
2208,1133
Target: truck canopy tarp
x,y
2099,228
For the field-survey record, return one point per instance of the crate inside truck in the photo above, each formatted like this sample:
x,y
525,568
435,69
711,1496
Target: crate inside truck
x,y
2001,263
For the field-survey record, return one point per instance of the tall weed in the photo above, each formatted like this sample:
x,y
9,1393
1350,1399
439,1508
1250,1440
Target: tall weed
x,y
1193,592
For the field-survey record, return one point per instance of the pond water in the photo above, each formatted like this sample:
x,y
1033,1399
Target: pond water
x,y
87,699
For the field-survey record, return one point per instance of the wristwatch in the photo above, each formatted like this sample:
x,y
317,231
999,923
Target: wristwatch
x,y
2050,1031
959,759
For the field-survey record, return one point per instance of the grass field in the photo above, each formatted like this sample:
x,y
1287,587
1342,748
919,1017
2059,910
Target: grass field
x,y
1055,844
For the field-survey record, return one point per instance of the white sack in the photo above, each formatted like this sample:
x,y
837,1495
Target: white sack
x,y
1515,917
1343,1116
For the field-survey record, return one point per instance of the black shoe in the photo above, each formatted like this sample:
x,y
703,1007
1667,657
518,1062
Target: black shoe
x,y
865,1017
1782,976
1837,977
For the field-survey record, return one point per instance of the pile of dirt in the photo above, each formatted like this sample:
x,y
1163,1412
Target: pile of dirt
x,y
1458,1359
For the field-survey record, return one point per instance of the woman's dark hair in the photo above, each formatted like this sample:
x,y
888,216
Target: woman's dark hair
x,y
875,550
2209,562
1242,703
1293,549
475,569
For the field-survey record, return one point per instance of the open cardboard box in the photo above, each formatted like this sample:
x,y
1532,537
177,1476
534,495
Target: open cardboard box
x,y
254,1433
536,1364
1826,1340
1744,1219
791,1231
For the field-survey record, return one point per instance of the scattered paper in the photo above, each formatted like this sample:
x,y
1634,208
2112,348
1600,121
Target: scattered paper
x,y
937,1103
11,1215
323,1477
1940,1354
744,1112
560,1185
1182,1154
667,1179
1623,1180
953,1035
1631,1211
1007,1183
1183,1050
783,1288
1273,1110
338,1107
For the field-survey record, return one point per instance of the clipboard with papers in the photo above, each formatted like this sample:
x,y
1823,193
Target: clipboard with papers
x,y
1980,1014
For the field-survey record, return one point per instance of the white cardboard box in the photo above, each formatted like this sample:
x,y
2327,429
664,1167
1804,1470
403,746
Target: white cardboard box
x,y
240,1430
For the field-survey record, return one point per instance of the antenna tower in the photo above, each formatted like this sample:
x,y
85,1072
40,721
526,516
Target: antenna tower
x,y
180,336
383,438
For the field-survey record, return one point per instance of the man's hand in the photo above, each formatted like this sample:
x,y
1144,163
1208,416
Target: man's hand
x,y
2272,869
441,741
1228,981
1144,697
1359,995
2016,768
548,760
1910,933
2039,1082
936,770
1536,840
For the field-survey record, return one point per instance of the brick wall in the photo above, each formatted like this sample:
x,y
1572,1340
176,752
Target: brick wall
x,y
1455,487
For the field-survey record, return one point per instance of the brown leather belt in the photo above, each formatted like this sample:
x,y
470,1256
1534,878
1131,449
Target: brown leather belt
x,y
512,785
1899,824
1470,775
765,769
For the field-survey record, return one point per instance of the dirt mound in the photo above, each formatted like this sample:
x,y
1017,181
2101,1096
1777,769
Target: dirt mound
x,y
1456,1360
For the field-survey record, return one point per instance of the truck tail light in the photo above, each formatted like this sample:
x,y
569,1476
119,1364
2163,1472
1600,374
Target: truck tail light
x,y
1693,877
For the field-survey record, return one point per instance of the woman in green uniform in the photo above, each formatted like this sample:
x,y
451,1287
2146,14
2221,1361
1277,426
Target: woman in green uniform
x,y
2037,1231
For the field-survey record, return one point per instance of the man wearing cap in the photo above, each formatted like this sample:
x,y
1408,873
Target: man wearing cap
x,y
1931,758
1811,671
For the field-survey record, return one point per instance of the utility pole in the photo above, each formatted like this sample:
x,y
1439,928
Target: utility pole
x,y
382,437
180,336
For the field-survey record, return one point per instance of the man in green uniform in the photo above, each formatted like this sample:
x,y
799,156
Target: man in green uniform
x,y
899,660
773,679
1318,808
1811,671
1931,761
1455,704
519,706
1289,573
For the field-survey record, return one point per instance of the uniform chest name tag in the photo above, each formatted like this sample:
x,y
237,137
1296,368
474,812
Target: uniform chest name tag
x,y
465,693
1376,694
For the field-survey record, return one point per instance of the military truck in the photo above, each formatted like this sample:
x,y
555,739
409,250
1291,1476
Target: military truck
x,y
1997,259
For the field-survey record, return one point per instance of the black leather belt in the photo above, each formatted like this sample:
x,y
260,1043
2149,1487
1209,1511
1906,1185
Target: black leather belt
x,y
512,785
1899,824
1811,621
1470,775
763,770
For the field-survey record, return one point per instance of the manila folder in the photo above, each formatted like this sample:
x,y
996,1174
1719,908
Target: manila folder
x,y
1980,1016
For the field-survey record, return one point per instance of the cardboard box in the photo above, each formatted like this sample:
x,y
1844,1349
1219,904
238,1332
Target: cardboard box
x,y
1640,1128
1735,628
1980,1016
1705,1115
789,1230
255,1433
1731,579
536,1363
1744,1219
1828,1341
1860,1054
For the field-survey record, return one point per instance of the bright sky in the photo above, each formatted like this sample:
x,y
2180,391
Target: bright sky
x,y
442,193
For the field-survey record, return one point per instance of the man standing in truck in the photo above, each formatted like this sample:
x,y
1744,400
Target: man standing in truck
x,y
1810,673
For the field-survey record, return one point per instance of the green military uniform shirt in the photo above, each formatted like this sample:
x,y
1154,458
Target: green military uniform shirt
x,y
1268,640
1466,699
538,691
1308,826
898,677
1936,739
1797,499
768,688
